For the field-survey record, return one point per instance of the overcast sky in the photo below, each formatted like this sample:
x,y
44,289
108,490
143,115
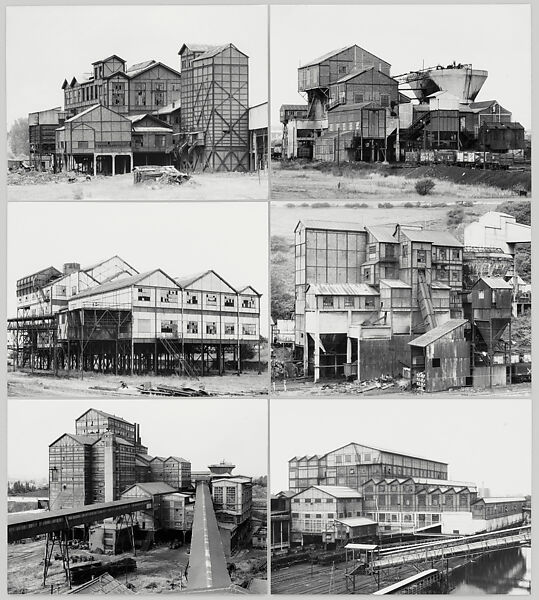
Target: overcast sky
x,y
47,44
486,441
201,430
181,238
495,38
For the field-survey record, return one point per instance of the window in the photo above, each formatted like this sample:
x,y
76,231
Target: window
x,y
192,327
138,140
192,298
358,98
455,254
230,301
481,294
331,515
248,329
160,141
82,145
229,329
167,327
366,273
211,328
436,362
143,295
248,303
384,100
327,301
404,250
421,257
349,301
442,254
211,299
369,302
342,69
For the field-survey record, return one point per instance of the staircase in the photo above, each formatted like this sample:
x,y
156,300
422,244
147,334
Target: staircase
x,y
417,126
425,301
184,366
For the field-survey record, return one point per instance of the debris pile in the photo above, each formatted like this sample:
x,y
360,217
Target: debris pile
x,y
166,175
22,177
168,390
286,369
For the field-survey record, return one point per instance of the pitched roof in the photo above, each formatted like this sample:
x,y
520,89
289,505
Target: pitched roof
x,y
102,584
188,280
341,289
108,58
435,237
118,284
330,225
382,234
338,491
139,68
357,72
194,47
386,451
105,414
178,459
437,333
153,488
495,283
482,104
83,113
217,50
395,283
501,499
356,521
81,439
324,57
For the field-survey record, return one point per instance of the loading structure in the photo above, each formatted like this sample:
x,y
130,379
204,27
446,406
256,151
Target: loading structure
x,y
109,318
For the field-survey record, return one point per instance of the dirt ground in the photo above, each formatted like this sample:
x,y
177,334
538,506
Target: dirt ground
x,y
33,385
373,184
203,186
294,389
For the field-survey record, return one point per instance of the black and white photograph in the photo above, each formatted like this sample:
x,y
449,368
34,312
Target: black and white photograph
x,y
431,105
135,300
421,297
140,102
110,497
386,500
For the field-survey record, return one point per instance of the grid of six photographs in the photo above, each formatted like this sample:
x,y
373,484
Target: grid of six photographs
x,y
269,302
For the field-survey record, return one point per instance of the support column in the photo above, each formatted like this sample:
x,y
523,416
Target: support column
x,y
358,377
348,350
316,358
305,354
113,164
94,165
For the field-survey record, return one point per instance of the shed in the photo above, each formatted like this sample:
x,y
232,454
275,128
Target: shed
x,y
441,357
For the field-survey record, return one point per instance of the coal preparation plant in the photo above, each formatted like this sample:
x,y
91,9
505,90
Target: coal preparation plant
x,y
408,303
356,110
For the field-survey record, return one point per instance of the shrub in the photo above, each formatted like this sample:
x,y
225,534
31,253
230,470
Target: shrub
x,y
424,186
385,205
455,216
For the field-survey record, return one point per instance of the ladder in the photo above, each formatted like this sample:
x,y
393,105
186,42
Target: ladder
x,y
425,301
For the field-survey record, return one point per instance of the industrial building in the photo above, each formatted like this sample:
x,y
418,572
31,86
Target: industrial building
x,y
359,493
105,460
117,117
357,111
405,301
110,318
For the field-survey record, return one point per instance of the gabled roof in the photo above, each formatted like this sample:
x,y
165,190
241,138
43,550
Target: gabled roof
x,y
153,488
194,47
386,451
158,124
108,58
435,237
188,280
336,491
437,333
83,113
102,262
81,439
330,225
482,104
169,108
102,584
249,287
120,284
341,289
217,50
357,72
324,57
495,283
177,459
138,69
104,414
382,234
